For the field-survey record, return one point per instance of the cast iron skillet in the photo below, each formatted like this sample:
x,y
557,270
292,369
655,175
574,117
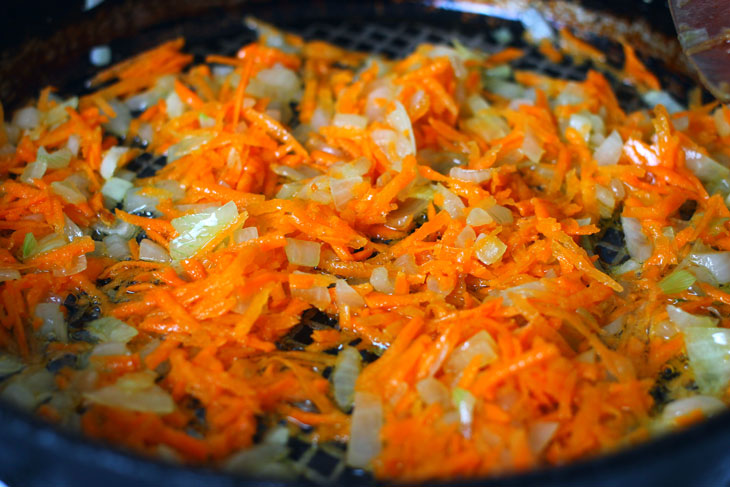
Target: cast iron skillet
x,y
47,42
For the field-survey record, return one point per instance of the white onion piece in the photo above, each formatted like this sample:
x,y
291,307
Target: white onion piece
x,y
471,175
708,405
367,419
174,104
302,252
721,123
194,231
54,160
345,375
277,83
318,296
135,201
187,145
476,103
152,252
399,120
348,120
465,403
434,285
452,203
29,389
342,190
113,348
718,263
34,170
500,214
110,329
117,247
115,189
708,349
481,344
539,435
110,161
531,147
68,192
433,391
478,217
705,168
683,319
78,264
71,230
381,281
9,275
407,263
10,364
638,245
659,97
54,323
609,152
465,237
119,125
136,392
27,118
345,295
245,234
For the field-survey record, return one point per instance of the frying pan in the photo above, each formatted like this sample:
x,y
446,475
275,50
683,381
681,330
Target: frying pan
x,y
48,42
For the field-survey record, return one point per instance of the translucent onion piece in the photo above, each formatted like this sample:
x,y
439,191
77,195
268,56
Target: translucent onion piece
x,y
609,152
471,175
117,247
478,217
111,160
194,231
452,203
302,252
78,264
481,344
433,391
344,376
109,329
658,97
539,435
465,238
33,171
27,118
186,146
55,160
531,147
136,392
464,402
152,252
708,405
54,323
637,243
683,319
705,168
709,355
116,188
245,234
490,249
348,120
718,263
345,295
721,123
9,275
367,419
381,281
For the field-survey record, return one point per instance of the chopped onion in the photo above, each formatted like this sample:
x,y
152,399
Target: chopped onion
x,y
245,234
344,376
381,281
433,391
708,349
119,125
677,281
110,329
531,147
706,169
476,103
637,243
136,201
34,170
367,419
265,460
116,188
137,392
658,97
399,120
505,89
163,86
539,435
478,217
465,238
471,175
500,214
407,210
71,230
342,190
29,389
302,252
57,115
683,319
664,329
348,120
112,348
30,244
174,104
452,203
572,94
152,252
435,285
464,402
27,118
68,192
54,323
708,405
318,296
276,83
609,152
47,243
9,275
9,365
721,123
187,145
117,247
54,160
194,231
488,125
718,263
481,344
78,264
111,160
345,295
490,249
407,263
